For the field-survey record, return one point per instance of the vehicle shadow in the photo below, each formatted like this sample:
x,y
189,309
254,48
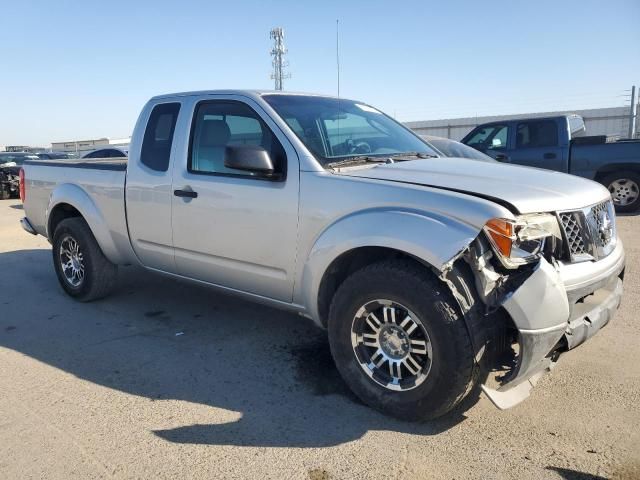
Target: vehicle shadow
x,y
166,340
569,474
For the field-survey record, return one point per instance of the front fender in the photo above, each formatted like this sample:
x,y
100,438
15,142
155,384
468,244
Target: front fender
x,y
79,199
430,237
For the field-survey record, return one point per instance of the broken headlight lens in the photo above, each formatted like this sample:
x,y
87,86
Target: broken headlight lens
x,y
521,241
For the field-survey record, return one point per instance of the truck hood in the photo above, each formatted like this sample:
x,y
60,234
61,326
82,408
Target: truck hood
x,y
525,189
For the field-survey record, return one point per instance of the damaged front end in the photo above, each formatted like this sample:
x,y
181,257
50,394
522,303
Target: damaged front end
x,y
520,313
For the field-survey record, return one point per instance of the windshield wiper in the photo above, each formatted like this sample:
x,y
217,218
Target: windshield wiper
x,y
357,159
378,159
411,154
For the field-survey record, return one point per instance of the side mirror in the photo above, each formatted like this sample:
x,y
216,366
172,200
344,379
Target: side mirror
x,y
251,158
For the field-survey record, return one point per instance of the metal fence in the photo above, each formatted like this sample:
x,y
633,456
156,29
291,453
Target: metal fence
x,y
612,122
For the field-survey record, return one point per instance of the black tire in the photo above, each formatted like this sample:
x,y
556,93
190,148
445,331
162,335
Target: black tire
x,y
5,193
632,182
99,273
452,372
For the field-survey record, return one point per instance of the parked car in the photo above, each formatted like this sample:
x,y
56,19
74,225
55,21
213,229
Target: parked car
x,y
432,275
110,152
556,143
452,148
9,184
10,164
15,158
57,155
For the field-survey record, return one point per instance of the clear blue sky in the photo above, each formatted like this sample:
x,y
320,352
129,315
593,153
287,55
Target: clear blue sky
x,y
82,69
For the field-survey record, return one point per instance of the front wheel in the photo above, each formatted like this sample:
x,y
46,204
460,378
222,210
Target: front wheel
x,y
625,190
82,269
400,342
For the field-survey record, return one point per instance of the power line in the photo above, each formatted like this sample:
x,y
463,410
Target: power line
x,y
278,52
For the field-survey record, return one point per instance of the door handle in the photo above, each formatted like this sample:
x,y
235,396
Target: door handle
x,y
185,193
501,156
549,156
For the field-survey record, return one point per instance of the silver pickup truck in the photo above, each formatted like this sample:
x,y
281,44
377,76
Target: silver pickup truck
x,y
434,277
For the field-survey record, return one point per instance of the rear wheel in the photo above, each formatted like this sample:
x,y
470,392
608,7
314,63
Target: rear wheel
x,y
400,342
625,190
82,269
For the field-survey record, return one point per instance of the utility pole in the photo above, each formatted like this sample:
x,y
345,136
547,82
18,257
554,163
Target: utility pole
x,y
632,113
278,52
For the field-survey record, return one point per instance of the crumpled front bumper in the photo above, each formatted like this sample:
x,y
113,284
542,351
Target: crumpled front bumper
x,y
556,310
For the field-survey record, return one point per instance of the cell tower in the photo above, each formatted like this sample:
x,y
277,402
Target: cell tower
x,y
278,52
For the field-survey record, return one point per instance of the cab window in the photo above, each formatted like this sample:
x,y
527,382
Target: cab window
x,y
158,137
543,133
219,124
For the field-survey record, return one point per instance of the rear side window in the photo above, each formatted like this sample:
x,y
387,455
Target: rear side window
x,y
543,133
158,137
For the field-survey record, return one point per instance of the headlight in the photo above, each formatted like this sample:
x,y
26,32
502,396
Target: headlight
x,y
521,240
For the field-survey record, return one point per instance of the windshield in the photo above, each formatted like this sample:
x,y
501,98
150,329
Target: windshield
x,y
336,129
451,148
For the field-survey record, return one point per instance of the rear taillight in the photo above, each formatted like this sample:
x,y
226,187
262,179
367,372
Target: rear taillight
x,y
22,191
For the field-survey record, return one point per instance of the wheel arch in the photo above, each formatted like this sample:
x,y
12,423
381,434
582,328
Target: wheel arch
x,y
60,212
69,201
367,237
348,263
607,170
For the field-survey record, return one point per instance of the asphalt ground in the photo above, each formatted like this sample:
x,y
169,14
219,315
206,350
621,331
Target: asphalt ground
x,y
169,380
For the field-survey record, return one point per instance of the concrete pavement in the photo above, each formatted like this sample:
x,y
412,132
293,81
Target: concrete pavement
x,y
169,380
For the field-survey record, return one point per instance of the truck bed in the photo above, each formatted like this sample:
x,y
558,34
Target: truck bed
x,y
93,186
118,164
586,159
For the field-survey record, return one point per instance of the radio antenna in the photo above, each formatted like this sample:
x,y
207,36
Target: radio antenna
x,y
338,53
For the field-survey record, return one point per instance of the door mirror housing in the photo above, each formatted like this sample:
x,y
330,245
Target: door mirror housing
x,y
251,158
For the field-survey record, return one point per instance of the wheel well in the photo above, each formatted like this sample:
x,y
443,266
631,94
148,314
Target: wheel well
x,y
345,265
59,213
618,167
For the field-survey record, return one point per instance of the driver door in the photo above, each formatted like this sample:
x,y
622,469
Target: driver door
x,y
235,228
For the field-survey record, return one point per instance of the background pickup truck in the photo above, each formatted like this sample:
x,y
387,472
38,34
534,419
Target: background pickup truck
x,y
557,143
432,275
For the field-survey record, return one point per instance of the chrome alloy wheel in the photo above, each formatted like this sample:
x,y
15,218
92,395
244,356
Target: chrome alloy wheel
x,y
624,191
391,344
71,261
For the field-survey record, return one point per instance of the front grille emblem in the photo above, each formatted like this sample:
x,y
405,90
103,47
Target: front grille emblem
x,y
605,226
590,233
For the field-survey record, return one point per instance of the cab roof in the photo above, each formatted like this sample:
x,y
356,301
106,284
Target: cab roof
x,y
246,93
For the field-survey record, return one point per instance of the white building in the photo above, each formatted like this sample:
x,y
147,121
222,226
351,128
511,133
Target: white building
x,y
83,146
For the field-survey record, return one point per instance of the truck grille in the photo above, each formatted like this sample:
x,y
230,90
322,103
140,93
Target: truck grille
x,y
590,233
